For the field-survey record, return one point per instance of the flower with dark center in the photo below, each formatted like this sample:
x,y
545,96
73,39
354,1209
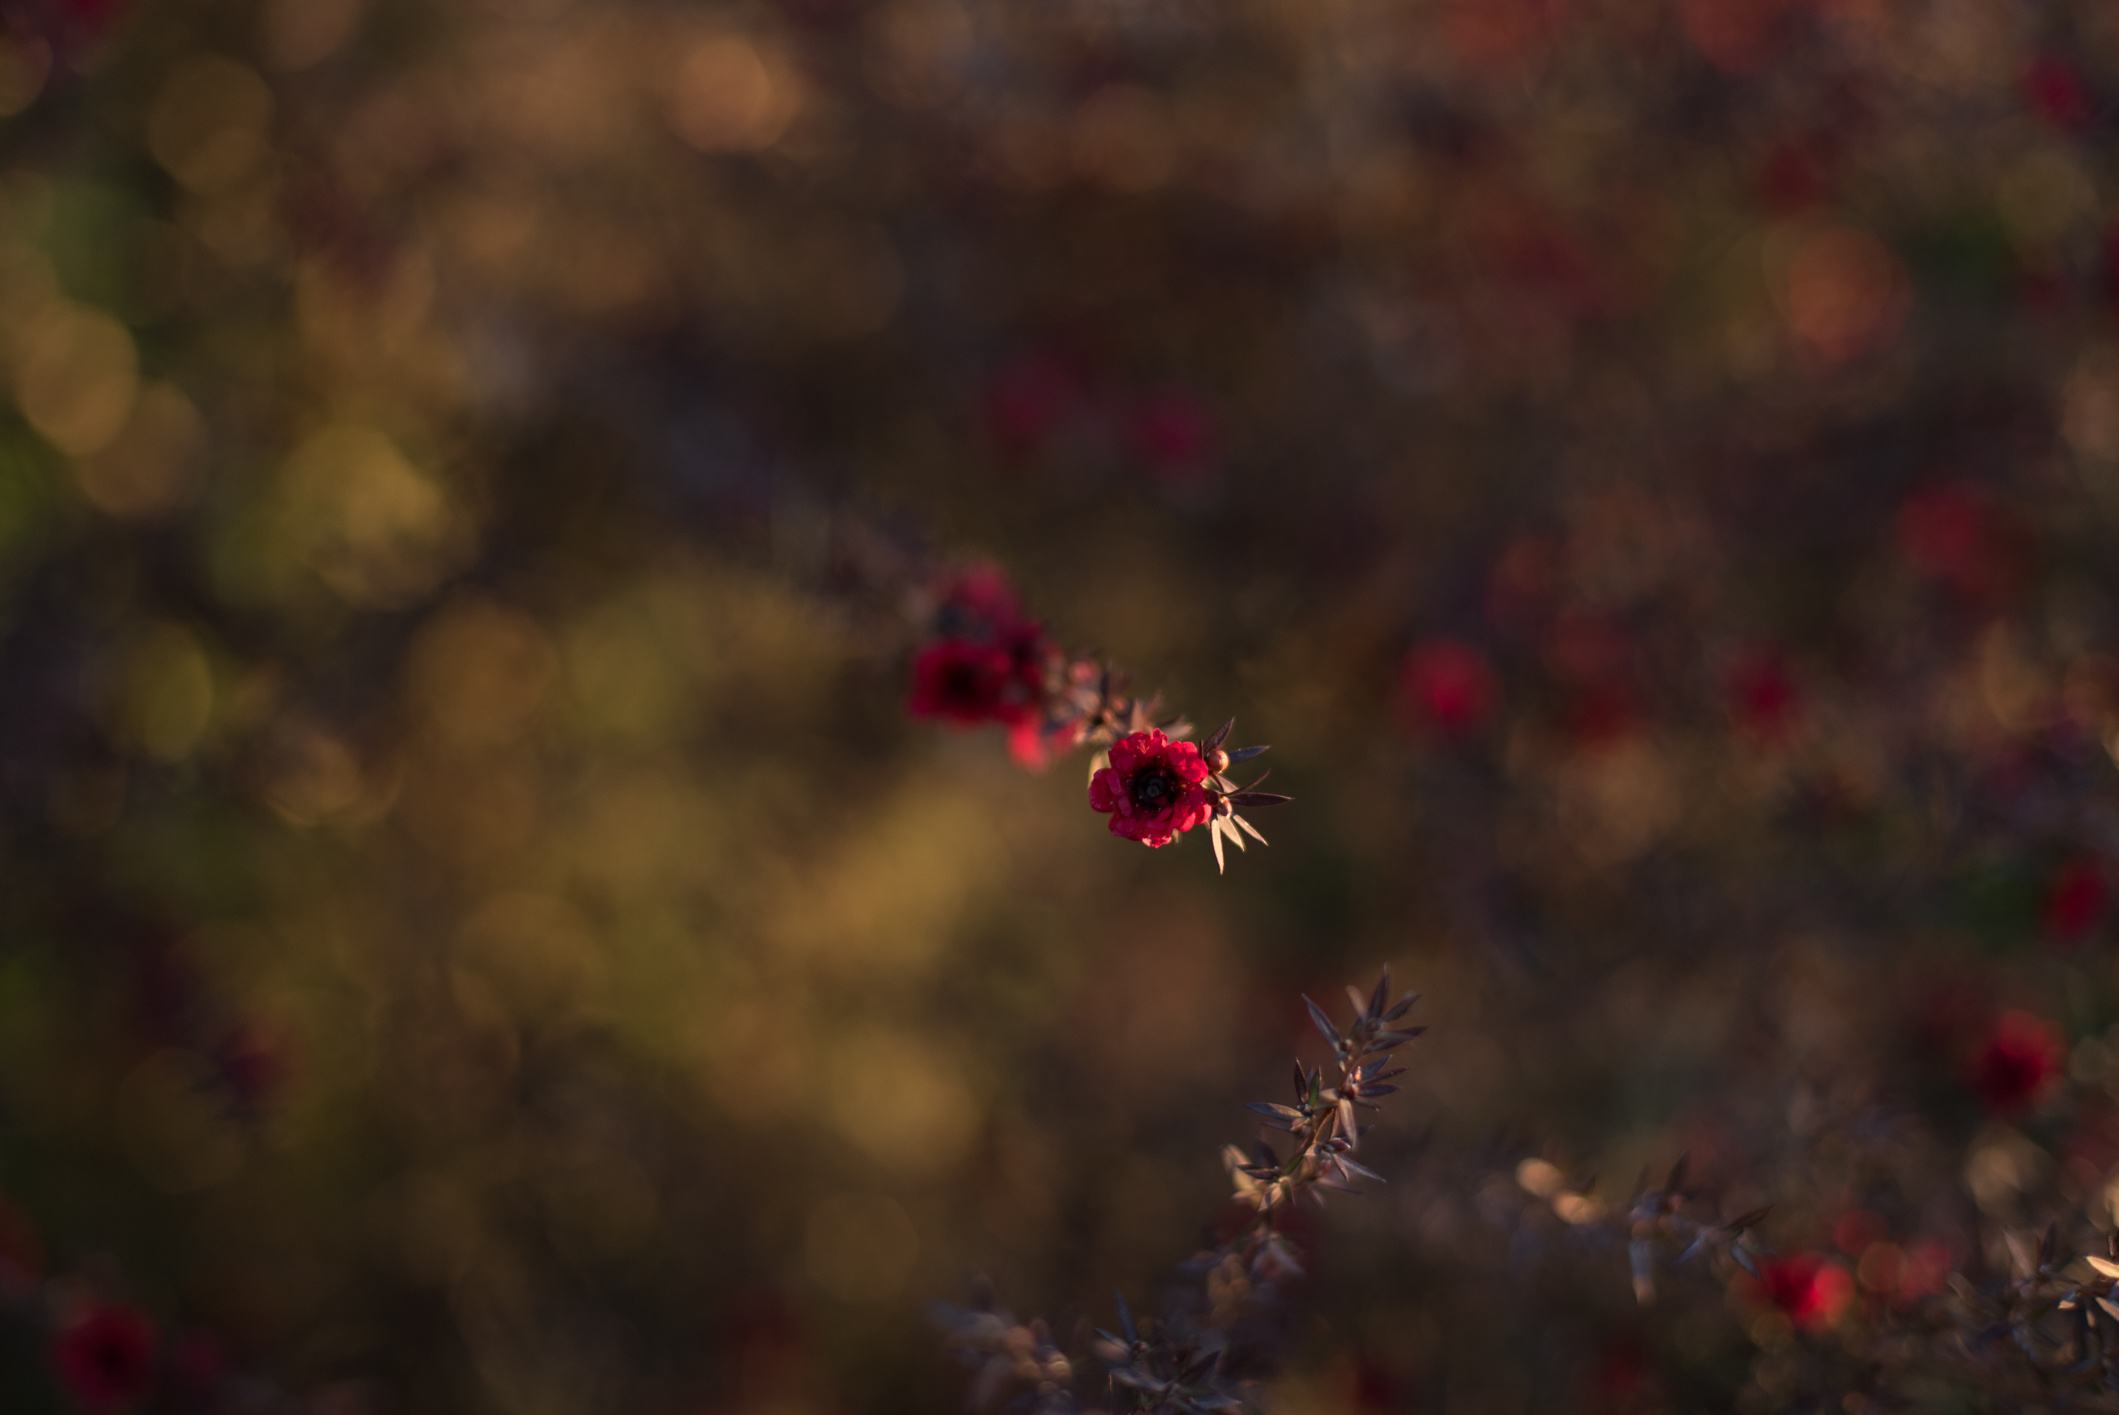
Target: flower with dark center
x,y
2018,1062
106,1357
967,682
1154,790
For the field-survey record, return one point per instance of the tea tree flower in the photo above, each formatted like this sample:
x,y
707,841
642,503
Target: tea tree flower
x,y
1154,790
106,1357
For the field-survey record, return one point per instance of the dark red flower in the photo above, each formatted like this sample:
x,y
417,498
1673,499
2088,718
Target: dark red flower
x,y
1027,401
2021,1055
1446,686
106,1357
1763,697
1808,1290
1171,433
1154,788
980,602
2054,89
2075,900
969,682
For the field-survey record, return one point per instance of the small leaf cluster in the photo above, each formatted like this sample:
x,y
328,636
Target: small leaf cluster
x,y
1214,1342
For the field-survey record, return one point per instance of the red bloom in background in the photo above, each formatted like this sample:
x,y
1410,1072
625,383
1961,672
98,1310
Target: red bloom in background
x,y
2054,89
1171,433
967,683
1955,535
1763,697
2020,1057
980,601
106,1357
2075,900
1028,401
1446,686
1153,789
1810,1291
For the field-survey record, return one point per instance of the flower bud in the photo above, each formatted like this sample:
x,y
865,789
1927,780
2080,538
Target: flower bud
x,y
1217,761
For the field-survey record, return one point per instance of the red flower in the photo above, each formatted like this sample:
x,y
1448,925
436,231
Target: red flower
x,y
2054,88
1809,1290
1448,686
968,682
2075,900
979,599
1172,434
1763,697
1153,789
106,1357
2021,1055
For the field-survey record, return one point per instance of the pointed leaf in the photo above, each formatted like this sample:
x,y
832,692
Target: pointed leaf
x,y
1277,1112
1244,754
1125,1318
2103,1265
1381,994
1221,865
1219,736
1323,1023
1249,829
1405,1005
1249,799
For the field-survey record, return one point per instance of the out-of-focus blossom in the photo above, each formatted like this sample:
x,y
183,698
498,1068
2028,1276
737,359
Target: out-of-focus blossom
x,y
2075,900
1172,435
969,683
2054,89
1027,402
2019,1060
1154,789
1806,1288
978,601
1448,687
1762,696
1951,534
106,1357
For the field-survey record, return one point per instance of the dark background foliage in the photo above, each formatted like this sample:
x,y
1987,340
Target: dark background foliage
x,y
478,930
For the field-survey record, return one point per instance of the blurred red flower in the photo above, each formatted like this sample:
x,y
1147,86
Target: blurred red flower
x,y
2054,89
106,1357
1027,402
967,683
1153,788
1953,534
1763,698
2075,900
1810,1291
979,599
1171,433
1446,686
2020,1057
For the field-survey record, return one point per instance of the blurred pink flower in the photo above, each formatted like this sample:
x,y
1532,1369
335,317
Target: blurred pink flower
x,y
1447,687
2020,1058
106,1357
2075,900
2054,89
1171,433
1810,1291
1762,697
